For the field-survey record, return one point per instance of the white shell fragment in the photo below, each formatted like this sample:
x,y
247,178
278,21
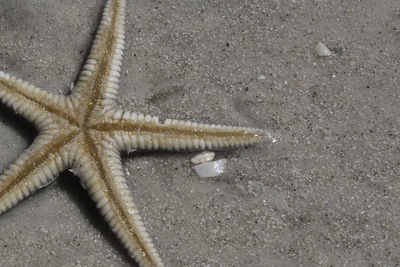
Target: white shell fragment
x,y
322,50
210,169
203,157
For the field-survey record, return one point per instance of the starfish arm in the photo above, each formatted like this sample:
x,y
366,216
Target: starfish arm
x,y
98,82
133,131
33,103
99,166
37,167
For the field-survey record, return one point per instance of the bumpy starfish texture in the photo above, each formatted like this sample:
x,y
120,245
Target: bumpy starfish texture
x,y
86,132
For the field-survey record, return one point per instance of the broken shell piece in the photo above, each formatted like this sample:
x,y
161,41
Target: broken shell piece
x,y
210,169
203,157
322,50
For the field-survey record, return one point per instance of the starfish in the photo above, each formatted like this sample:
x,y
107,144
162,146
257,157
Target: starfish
x,y
86,131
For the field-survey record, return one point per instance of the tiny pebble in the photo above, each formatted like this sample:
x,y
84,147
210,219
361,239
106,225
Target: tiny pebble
x,y
261,77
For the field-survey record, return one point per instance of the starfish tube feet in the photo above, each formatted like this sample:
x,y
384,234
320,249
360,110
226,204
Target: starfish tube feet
x,y
144,132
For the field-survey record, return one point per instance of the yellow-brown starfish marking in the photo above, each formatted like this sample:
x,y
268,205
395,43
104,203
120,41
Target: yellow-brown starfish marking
x,y
86,132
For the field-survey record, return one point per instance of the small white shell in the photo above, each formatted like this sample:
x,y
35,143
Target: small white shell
x,y
210,169
322,50
203,157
